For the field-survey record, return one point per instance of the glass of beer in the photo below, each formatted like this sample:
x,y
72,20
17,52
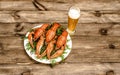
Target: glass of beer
x,y
73,17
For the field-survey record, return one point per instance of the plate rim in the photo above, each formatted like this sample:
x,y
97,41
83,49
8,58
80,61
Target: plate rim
x,y
50,60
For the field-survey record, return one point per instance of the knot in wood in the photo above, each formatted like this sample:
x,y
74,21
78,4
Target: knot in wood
x,y
26,73
111,46
15,15
97,13
19,35
103,31
110,72
39,6
18,27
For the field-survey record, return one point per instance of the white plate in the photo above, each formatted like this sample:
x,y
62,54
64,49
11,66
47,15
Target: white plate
x,y
44,60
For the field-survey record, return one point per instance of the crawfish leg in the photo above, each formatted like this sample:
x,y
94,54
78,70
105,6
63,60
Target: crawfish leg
x,y
42,55
50,48
58,53
30,38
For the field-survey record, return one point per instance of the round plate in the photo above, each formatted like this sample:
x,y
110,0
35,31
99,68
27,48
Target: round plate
x,y
44,60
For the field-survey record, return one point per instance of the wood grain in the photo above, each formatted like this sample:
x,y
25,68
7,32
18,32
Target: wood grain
x,y
74,69
86,49
62,5
56,16
96,43
13,29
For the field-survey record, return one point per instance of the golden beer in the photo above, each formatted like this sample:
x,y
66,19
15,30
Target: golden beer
x,y
73,17
72,23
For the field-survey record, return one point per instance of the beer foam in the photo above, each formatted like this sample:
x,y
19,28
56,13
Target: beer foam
x,y
74,13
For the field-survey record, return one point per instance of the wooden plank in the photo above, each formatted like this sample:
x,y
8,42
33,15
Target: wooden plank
x,y
85,49
12,29
13,53
62,69
62,5
97,49
57,16
63,0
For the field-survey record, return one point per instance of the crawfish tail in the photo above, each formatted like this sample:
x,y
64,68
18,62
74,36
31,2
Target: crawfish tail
x,y
39,45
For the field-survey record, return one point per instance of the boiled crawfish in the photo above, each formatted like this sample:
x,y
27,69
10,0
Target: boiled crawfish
x,y
39,31
61,43
51,32
39,46
62,39
50,48
58,52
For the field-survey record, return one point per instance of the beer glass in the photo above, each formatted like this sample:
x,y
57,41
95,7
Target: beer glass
x,y
73,17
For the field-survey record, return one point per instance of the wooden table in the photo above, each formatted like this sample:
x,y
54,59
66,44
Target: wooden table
x,y
96,43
